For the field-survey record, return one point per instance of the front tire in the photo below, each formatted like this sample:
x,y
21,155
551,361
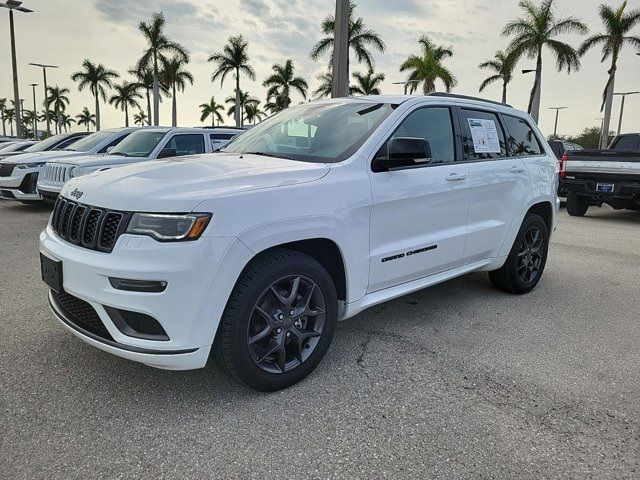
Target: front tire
x,y
279,321
527,258
577,206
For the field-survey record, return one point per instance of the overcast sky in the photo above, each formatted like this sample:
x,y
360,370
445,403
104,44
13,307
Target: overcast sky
x,y
66,32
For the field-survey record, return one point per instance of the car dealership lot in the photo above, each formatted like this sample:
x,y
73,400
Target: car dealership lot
x,y
457,381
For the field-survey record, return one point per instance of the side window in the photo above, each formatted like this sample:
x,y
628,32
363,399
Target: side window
x,y
482,135
65,143
189,144
628,142
435,126
522,139
113,143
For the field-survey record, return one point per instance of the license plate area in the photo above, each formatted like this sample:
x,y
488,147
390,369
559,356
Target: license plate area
x,y
51,272
604,187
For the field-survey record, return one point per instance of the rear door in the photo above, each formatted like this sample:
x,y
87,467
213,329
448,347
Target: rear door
x,y
498,182
418,216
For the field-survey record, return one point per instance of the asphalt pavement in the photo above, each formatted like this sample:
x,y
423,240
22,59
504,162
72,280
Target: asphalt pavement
x,y
456,381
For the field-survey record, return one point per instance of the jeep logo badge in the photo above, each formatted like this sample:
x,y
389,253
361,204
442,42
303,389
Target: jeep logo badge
x,y
77,194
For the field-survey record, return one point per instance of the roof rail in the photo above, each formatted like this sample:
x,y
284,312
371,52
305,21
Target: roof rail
x,y
467,97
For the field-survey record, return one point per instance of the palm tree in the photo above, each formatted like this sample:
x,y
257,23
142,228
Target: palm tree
x,y
58,99
211,109
324,89
245,99
140,118
98,78
282,80
252,113
427,67
361,39
3,107
27,122
233,58
10,116
275,104
536,30
86,118
174,76
503,72
159,46
126,96
368,84
617,26
66,121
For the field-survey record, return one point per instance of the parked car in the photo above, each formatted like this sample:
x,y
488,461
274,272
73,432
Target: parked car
x,y
19,174
317,213
147,144
223,135
559,147
15,147
596,177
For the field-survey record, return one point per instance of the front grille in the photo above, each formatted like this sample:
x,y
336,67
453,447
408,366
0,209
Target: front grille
x,y
6,169
90,227
57,174
81,314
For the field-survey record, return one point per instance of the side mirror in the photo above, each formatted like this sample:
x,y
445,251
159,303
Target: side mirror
x,y
404,152
110,149
167,152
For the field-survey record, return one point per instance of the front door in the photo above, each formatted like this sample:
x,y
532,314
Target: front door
x,y
418,217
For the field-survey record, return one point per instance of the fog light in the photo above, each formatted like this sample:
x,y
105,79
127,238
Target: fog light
x,y
147,286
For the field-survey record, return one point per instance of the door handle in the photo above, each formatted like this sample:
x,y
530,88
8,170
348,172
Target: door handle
x,y
456,177
517,169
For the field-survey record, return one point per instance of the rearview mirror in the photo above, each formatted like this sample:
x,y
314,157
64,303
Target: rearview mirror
x,y
167,152
404,152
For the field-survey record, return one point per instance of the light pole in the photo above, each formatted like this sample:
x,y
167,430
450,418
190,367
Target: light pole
x,y
15,5
557,109
46,91
340,72
623,95
406,83
35,112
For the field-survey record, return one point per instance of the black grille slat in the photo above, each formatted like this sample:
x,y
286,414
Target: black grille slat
x,y
6,169
90,227
81,314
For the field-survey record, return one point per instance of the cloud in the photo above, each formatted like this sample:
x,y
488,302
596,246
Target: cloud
x,y
124,10
255,7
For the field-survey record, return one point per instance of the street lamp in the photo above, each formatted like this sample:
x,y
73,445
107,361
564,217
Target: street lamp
x,y
557,109
46,91
35,111
623,95
406,83
15,5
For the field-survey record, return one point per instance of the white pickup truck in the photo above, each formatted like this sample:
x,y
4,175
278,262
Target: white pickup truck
x,y
145,144
317,213
596,177
19,174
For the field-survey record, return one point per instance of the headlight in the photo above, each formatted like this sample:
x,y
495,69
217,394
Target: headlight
x,y
30,165
74,172
169,227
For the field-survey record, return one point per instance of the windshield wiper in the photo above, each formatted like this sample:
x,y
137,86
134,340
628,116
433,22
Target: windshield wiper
x,y
276,155
122,154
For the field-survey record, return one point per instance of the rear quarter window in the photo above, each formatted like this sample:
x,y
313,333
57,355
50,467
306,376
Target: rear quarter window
x,y
522,139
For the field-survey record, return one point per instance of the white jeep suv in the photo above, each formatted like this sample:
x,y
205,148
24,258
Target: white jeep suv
x,y
310,217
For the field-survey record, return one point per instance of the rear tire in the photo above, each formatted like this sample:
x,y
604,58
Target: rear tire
x,y
577,206
527,258
285,303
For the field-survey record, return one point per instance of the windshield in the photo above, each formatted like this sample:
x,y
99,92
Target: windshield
x,y
46,144
316,132
89,142
138,144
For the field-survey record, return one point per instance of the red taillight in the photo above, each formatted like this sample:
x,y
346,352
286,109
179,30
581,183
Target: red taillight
x,y
562,172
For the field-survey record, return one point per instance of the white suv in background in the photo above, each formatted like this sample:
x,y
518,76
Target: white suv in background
x,y
149,143
310,217
25,170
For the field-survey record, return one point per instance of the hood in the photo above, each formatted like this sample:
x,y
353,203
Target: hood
x,y
180,184
34,157
85,160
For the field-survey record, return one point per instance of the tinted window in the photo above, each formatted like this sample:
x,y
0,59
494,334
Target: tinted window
x,y
222,136
139,144
629,142
48,143
90,141
66,143
113,143
432,124
187,144
522,139
482,135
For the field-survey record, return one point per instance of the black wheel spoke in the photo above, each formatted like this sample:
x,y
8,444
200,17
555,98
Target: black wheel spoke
x,y
260,335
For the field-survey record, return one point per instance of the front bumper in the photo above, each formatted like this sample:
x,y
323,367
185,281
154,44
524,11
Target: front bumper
x,y
21,184
199,276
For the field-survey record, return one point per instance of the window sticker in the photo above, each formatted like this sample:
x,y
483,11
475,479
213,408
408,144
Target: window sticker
x,y
485,135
